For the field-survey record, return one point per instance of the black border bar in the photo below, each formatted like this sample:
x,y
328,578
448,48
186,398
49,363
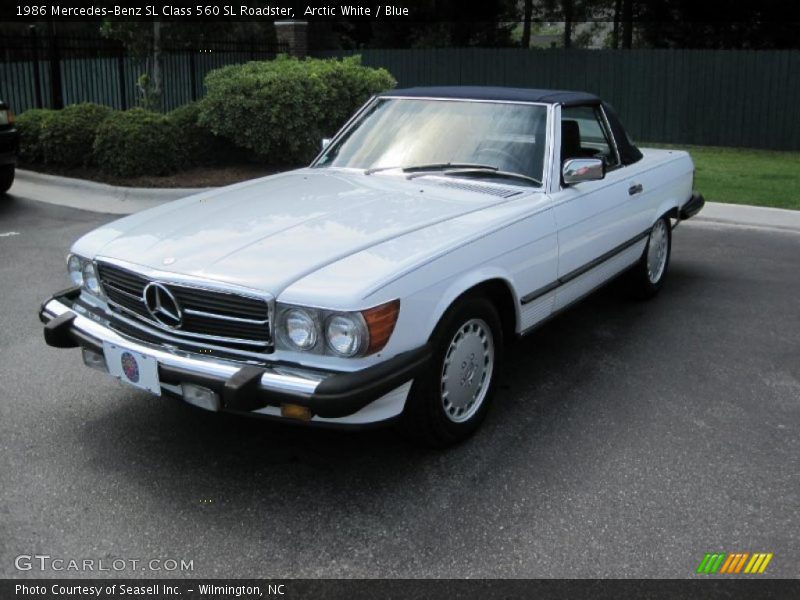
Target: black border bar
x,y
707,13
413,589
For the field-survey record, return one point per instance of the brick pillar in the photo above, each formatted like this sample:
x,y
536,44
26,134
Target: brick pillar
x,y
293,35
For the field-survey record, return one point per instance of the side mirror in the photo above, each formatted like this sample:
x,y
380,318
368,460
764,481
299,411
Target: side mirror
x,y
325,142
576,170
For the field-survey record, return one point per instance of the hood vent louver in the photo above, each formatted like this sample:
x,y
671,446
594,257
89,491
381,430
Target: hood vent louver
x,y
500,192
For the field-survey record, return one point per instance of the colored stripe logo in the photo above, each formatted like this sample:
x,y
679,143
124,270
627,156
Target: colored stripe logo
x,y
734,563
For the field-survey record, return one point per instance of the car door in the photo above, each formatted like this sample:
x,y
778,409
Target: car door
x,y
595,219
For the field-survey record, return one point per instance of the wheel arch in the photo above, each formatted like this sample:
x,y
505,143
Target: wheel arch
x,y
668,208
496,287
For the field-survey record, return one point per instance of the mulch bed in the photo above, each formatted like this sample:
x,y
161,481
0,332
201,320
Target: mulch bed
x,y
199,177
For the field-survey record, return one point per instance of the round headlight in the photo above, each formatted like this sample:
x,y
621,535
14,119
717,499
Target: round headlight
x,y
90,281
75,268
301,330
345,334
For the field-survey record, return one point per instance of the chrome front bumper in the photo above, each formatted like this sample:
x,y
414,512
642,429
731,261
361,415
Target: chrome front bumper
x,y
241,386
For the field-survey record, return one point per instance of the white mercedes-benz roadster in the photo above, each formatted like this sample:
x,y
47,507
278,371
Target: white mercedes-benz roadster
x,y
379,283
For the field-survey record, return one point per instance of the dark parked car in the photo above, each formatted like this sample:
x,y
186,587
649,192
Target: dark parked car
x,y
9,141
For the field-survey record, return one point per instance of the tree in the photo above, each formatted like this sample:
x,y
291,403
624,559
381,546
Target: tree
x,y
143,41
567,23
147,41
627,23
615,34
767,24
526,24
437,23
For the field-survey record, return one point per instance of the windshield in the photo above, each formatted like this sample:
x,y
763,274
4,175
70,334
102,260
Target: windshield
x,y
464,138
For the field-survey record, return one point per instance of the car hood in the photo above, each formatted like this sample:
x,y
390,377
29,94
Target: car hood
x,y
266,233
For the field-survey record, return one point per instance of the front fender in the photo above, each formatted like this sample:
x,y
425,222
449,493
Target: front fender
x,y
465,282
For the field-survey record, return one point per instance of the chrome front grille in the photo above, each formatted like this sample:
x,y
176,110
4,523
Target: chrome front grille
x,y
208,317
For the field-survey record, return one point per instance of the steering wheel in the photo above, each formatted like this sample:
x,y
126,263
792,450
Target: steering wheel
x,y
500,158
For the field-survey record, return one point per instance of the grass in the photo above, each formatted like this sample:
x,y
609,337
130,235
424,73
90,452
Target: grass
x,y
743,176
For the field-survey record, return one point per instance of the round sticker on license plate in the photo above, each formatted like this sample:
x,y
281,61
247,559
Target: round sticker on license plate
x,y
130,367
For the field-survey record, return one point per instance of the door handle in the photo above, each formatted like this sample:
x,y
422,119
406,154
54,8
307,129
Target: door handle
x,y
635,189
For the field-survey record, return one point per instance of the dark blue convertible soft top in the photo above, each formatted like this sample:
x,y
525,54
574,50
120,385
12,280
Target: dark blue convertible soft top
x,y
628,152
507,94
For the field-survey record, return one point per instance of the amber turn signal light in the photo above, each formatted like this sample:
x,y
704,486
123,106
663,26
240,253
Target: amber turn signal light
x,y
295,411
380,323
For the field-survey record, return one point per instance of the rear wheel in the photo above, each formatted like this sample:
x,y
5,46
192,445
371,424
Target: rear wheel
x,y
448,402
648,275
6,177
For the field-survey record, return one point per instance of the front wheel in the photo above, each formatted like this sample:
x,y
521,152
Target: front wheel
x,y
448,403
6,178
648,275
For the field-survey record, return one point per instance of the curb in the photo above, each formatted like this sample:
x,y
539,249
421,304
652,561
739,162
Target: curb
x,y
744,215
91,195
105,198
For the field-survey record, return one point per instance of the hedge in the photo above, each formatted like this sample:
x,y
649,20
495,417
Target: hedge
x,y
138,142
281,109
68,136
30,124
199,147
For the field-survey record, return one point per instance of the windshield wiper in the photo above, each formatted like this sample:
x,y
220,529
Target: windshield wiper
x,y
431,167
491,172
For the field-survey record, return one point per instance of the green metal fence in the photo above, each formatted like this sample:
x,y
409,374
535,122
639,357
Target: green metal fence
x,y
52,72
709,97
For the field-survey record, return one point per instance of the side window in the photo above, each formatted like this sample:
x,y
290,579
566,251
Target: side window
x,y
584,134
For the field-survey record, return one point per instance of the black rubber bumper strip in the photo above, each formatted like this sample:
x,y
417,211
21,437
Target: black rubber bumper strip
x,y
57,331
241,391
350,392
71,293
692,206
339,395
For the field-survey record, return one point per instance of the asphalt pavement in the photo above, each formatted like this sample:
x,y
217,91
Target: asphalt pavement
x,y
627,440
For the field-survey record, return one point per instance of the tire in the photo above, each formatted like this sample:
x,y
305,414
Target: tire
x,y
439,413
648,275
6,178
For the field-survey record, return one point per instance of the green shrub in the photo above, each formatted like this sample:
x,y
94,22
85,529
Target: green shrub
x,y
199,147
68,137
137,142
281,109
30,124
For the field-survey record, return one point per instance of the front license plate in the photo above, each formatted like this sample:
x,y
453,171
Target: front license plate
x,y
132,367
